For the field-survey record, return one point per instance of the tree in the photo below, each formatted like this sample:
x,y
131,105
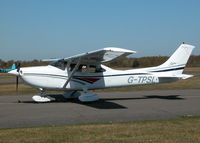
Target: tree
x,y
135,63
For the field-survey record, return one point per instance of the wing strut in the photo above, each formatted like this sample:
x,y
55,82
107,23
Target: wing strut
x,y
72,73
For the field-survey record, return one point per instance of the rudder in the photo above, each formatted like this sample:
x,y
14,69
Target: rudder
x,y
179,58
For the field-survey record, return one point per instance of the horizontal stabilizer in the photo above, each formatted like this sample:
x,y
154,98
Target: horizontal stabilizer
x,y
184,76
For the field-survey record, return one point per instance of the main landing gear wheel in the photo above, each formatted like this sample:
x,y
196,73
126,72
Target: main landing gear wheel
x,y
88,97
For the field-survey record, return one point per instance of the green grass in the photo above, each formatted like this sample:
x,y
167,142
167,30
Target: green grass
x,y
192,70
10,89
5,75
181,130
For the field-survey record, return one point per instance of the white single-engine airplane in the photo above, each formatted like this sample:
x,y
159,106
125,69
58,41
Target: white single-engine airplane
x,y
85,72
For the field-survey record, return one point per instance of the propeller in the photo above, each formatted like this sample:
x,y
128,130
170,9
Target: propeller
x,y
17,80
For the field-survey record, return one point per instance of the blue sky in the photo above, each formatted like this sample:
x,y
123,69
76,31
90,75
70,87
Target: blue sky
x,y
40,29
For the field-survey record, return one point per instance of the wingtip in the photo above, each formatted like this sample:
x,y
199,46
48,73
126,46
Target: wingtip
x,y
187,45
119,50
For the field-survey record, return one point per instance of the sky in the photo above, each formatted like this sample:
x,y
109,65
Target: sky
x,y
41,29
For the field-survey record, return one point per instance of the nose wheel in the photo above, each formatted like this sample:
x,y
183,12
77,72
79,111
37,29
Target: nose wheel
x,y
41,98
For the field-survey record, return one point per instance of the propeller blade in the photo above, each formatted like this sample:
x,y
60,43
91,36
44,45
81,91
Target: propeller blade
x,y
18,67
17,81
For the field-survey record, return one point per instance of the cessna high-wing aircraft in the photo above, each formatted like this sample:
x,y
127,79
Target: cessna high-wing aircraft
x,y
86,71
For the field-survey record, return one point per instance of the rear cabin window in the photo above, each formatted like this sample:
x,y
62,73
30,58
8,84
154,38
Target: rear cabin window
x,y
95,69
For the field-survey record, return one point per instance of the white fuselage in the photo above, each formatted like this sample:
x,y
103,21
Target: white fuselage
x,y
50,77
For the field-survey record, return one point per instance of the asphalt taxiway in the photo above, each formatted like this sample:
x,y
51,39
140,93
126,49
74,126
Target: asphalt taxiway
x,y
113,107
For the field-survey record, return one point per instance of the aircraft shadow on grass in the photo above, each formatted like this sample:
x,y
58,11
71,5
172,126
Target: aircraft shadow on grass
x,y
108,103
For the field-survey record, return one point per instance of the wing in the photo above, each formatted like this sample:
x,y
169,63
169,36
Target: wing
x,y
94,57
98,56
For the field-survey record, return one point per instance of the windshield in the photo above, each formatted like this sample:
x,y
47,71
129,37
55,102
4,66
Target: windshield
x,y
59,64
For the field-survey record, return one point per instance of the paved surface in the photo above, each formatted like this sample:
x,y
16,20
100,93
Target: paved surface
x,y
113,107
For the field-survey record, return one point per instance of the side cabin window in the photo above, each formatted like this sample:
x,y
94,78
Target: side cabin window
x,y
87,68
81,68
96,69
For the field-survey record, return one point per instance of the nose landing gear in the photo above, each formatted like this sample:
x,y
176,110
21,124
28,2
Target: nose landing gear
x,y
41,98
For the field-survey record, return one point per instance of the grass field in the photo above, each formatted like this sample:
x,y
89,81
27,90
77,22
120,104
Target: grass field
x,y
181,130
192,70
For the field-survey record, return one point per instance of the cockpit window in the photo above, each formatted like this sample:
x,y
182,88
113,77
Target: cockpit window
x,y
71,67
59,64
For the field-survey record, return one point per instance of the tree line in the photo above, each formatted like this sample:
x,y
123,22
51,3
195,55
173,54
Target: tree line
x,y
194,61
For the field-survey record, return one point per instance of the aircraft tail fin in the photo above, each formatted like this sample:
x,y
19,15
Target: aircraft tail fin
x,y
177,62
14,66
